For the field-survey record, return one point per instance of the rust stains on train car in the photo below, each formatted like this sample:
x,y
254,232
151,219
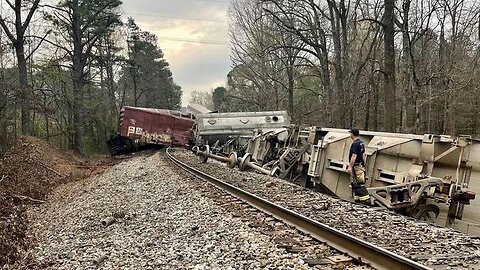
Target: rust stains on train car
x,y
156,126
145,126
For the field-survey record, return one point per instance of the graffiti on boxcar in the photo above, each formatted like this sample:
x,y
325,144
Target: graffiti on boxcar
x,y
139,134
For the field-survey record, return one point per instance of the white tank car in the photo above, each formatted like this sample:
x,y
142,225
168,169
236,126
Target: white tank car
x,y
222,127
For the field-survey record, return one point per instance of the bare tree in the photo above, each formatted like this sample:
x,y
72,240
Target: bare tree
x,y
389,84
17,38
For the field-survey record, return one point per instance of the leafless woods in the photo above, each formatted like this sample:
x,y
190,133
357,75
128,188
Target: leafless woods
x,y
68,66
406,65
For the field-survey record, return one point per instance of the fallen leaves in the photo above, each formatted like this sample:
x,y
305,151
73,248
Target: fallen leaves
x,y
28,173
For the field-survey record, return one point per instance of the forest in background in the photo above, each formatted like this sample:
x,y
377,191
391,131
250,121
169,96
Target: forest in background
x,y
406,66
67,68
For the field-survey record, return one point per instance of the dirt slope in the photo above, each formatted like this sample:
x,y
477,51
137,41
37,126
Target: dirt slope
x,y
28,172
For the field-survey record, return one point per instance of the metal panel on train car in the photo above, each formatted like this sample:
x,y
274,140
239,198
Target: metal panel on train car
x,y
402,158
218,126
156,126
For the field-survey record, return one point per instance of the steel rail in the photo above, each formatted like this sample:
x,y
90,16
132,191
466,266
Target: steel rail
x,y
365,252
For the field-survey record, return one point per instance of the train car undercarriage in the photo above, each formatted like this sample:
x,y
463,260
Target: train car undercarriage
x,y
423,176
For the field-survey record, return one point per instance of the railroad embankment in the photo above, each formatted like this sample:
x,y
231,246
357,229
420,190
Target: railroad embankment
x,y
29,171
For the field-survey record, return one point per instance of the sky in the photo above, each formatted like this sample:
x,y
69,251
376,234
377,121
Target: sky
x,y
193,35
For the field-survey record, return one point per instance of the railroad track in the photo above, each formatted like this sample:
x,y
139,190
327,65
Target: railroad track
x,y
365,252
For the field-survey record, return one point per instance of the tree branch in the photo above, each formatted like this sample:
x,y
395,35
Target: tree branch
x,y
44,39
372,20
26,198
10,4
30,16
38,45
7,31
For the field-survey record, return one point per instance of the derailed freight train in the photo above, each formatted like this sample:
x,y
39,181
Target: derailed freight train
x,y
429,177
145,127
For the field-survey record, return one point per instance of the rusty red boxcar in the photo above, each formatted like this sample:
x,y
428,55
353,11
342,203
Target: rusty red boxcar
x,y
145,126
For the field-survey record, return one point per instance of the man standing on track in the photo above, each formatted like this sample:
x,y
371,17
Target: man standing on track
x,y
356,168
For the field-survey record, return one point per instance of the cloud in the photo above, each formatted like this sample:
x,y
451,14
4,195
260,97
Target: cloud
x,y
195,66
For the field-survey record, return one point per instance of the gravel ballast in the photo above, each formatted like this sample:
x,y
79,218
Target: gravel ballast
x,y
162,220
441,248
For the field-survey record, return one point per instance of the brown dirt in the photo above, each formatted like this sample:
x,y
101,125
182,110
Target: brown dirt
x,y
29,171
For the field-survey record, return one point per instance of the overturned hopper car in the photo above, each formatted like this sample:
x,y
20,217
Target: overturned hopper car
x,y
429,177
139,127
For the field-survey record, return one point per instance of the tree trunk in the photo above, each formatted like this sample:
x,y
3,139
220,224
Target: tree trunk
x,y
291,85
112,101
340,116
408,100
322,54
135,91
78,81
390,120
111,84
45,115
24,88
78,121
